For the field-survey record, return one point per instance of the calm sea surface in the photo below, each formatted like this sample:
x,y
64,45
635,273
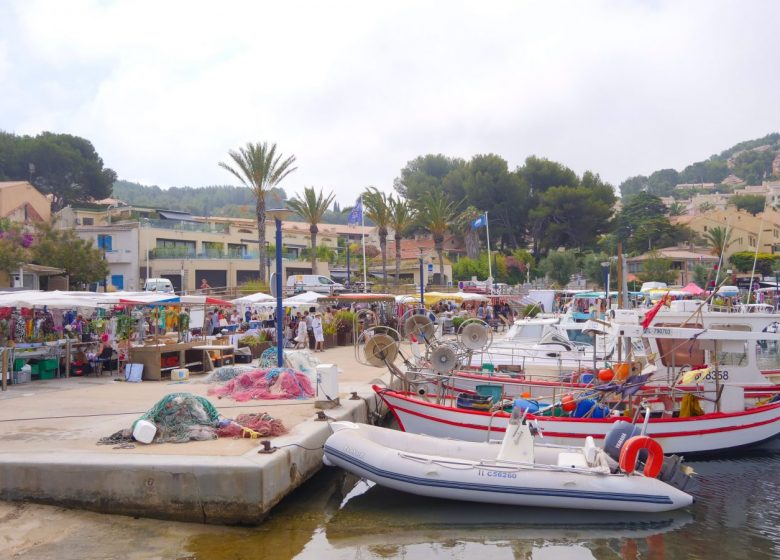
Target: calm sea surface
x,y
337,516
736,515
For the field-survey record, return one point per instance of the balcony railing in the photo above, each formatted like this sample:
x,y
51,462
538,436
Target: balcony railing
x,y
187,226
175,253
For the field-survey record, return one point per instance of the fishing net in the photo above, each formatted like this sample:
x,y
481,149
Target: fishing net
x,y
268,358
226,373
273,383
181,417
260,424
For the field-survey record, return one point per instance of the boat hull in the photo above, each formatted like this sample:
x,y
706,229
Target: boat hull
x,y
407,468
711,433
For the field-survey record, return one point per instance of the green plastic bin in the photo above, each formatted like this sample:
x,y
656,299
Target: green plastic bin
x,y
47,374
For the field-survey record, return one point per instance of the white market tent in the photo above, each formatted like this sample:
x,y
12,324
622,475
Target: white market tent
x,y
259,297
301,300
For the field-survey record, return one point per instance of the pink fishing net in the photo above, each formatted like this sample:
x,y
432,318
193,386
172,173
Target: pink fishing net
x,y
262,423
262,384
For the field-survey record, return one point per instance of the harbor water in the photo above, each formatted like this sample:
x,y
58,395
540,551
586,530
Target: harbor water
x,y
337,516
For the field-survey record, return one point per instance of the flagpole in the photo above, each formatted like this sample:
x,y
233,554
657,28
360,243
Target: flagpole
x,y
363,238
490,265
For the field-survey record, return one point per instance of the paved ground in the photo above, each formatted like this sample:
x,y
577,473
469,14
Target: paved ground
x,y
72,414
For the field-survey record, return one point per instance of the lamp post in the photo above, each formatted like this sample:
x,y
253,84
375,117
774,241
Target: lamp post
x,y
268,263
777,288
147,226
349,270
278,214
605,268
422,279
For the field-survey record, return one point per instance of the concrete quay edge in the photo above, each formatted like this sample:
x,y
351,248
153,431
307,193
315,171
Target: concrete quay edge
x,y
207,489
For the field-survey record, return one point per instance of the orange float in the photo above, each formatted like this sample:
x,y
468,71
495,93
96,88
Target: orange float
x,y
606,375
568,404
630,452
621,371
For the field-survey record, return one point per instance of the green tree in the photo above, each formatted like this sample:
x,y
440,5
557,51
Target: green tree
x,y
677,209
259,167
594,271
402,218
64,166
643,224
701,275
765,262
753,203
13,246
378,210
426,173
574,216
559,266
435,213
657,269
83,262
718,239
490,187
311,206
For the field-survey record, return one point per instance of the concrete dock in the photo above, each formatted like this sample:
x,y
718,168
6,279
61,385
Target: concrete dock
x,y
49,453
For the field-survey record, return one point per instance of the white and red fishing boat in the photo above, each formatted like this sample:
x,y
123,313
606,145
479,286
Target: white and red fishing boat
x,y
734,426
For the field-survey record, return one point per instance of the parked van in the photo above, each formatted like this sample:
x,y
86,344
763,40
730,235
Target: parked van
x,y
158,285
313,283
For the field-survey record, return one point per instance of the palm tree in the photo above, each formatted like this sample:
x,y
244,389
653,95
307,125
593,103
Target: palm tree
x,y
311,208
435,213
718,238
401,220
378,211
258,167
677,209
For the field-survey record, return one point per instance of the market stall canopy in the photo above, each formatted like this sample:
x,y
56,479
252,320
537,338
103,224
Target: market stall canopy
x,y
259,297
305,297
728,291
693,289
205,300
467,296
147,298
56,299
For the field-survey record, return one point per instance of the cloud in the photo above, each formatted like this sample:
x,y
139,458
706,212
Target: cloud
x,y
356,89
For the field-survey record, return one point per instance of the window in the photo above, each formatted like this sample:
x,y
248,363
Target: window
x,y
88,221
237,250
104,242
174,248
325,281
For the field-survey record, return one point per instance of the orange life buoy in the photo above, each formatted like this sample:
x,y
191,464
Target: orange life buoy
x,y
630,451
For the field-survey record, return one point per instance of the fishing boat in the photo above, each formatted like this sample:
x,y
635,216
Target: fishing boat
x,y
518,472
732,427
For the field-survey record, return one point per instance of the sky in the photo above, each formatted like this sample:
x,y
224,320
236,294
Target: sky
x,y
355,90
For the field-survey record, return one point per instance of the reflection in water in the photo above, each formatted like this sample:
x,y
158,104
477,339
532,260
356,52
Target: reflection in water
x,y
335,516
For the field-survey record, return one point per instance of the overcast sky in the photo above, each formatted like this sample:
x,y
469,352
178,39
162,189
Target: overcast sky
x,y
164,89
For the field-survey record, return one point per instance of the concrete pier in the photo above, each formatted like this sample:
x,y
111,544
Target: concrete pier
x,y
48,451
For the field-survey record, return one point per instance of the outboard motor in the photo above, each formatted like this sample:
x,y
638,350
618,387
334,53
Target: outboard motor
x,y
618,434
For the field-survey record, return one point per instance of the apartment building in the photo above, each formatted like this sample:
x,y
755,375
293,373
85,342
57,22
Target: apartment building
x,y
746,232
142,243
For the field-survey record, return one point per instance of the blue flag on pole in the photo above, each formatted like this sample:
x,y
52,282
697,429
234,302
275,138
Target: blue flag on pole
x,y
356,216
479,222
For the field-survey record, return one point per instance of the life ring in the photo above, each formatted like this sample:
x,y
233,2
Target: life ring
x,y
630,452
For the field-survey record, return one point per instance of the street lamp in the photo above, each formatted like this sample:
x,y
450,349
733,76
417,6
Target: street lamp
x,y
422,279
605,269
268,263
148,227
278,214
777,288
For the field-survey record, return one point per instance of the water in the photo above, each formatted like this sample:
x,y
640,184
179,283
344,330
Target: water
x,y
336,516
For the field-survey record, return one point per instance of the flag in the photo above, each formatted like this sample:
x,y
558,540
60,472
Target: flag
x,y
650,315
479,222
356,216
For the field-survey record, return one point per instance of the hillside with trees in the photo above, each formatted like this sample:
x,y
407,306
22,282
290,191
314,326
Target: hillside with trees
x,y
751,161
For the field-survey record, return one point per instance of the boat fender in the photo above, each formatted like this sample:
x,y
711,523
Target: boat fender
x,y
630,453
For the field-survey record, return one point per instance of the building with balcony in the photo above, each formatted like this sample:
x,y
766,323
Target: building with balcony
x,y
683,262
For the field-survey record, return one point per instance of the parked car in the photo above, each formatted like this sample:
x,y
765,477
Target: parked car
x,y
313,283
158,285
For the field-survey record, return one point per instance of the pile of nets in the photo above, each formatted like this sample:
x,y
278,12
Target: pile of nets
x,y
226,373
181,417
268,358
260,424
273,383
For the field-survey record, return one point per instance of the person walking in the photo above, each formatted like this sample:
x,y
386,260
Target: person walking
x,y
302,339
319,335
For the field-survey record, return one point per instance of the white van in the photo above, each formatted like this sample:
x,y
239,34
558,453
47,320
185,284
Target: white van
x,y
162,285
313,283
